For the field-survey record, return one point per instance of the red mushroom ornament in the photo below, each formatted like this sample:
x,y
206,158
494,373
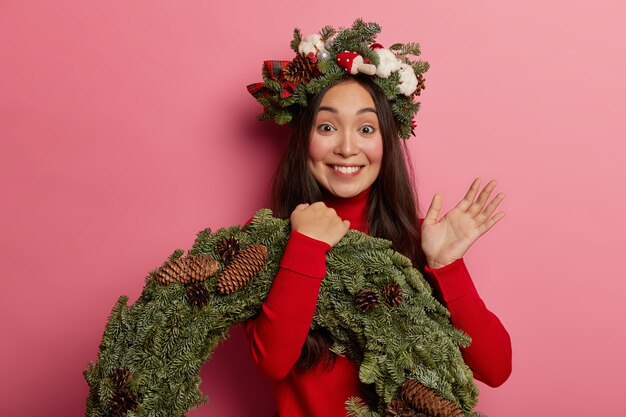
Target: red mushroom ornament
x,y
353,63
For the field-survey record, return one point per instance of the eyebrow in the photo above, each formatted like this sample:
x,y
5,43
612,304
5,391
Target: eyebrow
x,y
361,111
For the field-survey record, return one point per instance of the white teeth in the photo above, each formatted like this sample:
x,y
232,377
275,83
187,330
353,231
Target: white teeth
x,y
346,170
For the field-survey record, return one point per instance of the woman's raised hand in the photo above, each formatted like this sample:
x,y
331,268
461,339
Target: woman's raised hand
x,y
319,222
447,239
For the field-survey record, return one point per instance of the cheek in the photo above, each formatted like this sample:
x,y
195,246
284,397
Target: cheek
x,y
317,150
378,155
374,152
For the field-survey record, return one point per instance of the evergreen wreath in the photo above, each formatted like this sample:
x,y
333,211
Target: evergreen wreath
x,y
378,308
323,59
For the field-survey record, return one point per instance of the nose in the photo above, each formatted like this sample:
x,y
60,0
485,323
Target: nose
x,y
347,145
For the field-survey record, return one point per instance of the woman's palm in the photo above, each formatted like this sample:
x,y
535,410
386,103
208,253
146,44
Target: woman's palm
x,y
447,239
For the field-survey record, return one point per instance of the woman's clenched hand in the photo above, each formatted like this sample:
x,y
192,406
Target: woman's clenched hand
x,y
319,222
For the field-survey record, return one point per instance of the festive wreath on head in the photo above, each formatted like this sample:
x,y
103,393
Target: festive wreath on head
x,y
324,58
377,307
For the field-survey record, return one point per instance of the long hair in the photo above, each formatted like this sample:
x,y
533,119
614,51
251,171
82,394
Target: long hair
x,y
392,206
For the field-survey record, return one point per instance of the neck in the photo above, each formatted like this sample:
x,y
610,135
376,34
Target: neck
x,y
353,209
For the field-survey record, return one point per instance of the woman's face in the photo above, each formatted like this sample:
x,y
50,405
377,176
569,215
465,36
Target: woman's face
x,y
346,146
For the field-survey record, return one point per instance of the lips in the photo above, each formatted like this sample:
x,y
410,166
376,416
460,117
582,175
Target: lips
x,y
347,170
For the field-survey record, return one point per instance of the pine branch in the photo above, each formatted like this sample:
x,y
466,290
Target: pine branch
x,y
327,32
352,39
273,85
316,85
283,118
177,254
420,67
411,48
297,38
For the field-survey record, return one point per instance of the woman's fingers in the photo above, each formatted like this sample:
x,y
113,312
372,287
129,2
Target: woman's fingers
x,y
467,201
491,222
301,206
490,209
433,210
478,205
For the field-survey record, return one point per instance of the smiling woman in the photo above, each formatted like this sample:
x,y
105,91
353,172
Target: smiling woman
x,y
340,322
345,167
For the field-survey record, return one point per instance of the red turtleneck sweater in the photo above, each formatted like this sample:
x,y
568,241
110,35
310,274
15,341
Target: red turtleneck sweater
x,y
277,335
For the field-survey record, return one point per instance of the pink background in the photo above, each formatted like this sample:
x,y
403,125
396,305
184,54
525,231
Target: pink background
x,y
126,128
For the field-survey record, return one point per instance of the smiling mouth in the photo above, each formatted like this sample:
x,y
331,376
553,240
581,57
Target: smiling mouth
x,y
347,170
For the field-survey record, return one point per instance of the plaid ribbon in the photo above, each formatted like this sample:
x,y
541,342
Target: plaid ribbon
x,y
274,70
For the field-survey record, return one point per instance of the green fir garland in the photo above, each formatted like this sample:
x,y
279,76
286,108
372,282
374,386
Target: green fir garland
x,y
151,352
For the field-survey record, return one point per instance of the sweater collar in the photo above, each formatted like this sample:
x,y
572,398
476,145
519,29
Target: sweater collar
x,y
353,209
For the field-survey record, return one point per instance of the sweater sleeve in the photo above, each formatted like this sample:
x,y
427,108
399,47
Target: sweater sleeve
x,y
277,334
489,356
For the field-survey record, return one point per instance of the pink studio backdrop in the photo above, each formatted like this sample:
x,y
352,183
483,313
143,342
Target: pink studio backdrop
x,y
126,128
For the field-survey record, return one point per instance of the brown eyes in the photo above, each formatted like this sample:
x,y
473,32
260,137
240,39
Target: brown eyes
x,y
327,128
368,130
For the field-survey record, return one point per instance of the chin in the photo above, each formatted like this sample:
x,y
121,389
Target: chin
x,y
345,193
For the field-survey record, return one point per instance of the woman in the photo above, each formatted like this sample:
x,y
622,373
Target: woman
x,y
345,168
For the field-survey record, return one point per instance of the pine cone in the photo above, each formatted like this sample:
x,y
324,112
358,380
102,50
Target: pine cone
x,y
174,270
244,266
123,401
193,268
366,300
398,408
197,294
227,248
120,377
299,70
428,401
393,295
200,267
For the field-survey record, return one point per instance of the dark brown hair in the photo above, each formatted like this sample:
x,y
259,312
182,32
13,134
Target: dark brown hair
x,y
392,205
